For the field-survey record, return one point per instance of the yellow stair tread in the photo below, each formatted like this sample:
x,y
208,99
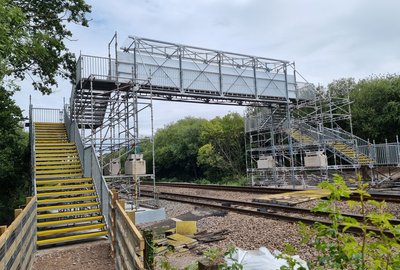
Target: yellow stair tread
x,y
58,171
67,199
70,238
55,166
55,176
64,206
64,193
54,159
56,151
55,162
61,181
63,187
56,155
68,213
54,147
69,221
70,229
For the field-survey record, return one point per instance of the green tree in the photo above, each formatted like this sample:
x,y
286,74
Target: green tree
x,y
176,148
32,45
341,87
376,108
32,40
223,149
14,158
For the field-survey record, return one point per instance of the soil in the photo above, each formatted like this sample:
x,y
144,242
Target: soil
x,y
89,256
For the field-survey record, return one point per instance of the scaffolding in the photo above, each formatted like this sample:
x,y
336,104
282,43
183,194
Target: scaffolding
x,y
294,133
305,142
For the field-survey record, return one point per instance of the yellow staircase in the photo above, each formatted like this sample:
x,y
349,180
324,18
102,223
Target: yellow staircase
x,y
301,137
340,147
351,153
68,209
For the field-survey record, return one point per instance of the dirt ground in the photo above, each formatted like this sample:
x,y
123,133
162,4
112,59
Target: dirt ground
x,y
94,255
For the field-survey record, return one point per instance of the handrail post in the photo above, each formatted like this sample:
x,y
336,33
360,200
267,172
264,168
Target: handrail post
x,y
114,199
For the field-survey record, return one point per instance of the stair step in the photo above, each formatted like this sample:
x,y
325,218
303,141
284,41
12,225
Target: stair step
x,y
60,146
50,135
55,163
67,199
64,181
49,160
54,176
68,213
50,144
50,131
55,151
41,172
66,206
54,167
44,141
70,238
65,193
40,155
58,187
68,221
70,229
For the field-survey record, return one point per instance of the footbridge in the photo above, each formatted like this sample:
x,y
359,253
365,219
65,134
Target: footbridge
x,y
71,200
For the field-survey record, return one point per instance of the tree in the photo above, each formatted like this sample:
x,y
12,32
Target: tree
x,y
32,44
32,40
14,158
376,108
341,88
223,147
176,148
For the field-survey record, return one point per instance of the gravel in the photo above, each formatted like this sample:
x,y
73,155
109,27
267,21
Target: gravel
x,y
249,232
393,208
240,196
89,256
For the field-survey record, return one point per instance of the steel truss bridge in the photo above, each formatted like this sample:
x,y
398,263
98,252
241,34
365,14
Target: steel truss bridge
x,y
110,93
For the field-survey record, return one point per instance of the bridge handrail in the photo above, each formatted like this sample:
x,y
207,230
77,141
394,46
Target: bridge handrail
x,y
119,226
46,115
18,241
97,66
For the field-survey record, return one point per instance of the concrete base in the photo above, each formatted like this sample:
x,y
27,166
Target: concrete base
x,y
145,215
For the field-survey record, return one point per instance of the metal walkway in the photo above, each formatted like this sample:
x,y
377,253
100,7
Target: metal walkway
x,y
169,71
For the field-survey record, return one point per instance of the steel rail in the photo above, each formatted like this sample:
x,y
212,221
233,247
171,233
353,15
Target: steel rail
x,y
262,206
266,190
261,210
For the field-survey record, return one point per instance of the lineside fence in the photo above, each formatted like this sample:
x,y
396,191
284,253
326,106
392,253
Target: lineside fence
x,y
18,241
126,240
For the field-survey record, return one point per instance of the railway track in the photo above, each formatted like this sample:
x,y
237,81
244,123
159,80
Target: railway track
x,y
279,212
267,190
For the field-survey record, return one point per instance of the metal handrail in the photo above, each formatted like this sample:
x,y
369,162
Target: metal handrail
x,y
91,167
33,150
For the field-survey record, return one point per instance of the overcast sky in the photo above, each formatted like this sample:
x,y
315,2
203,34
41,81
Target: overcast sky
x,y
327,39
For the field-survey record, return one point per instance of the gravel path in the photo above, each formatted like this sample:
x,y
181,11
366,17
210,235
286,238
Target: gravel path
x,y
88,256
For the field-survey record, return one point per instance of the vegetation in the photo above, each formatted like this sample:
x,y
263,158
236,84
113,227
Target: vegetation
x,y
32,45
195,149
14,158
375,105
337,249
32,40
